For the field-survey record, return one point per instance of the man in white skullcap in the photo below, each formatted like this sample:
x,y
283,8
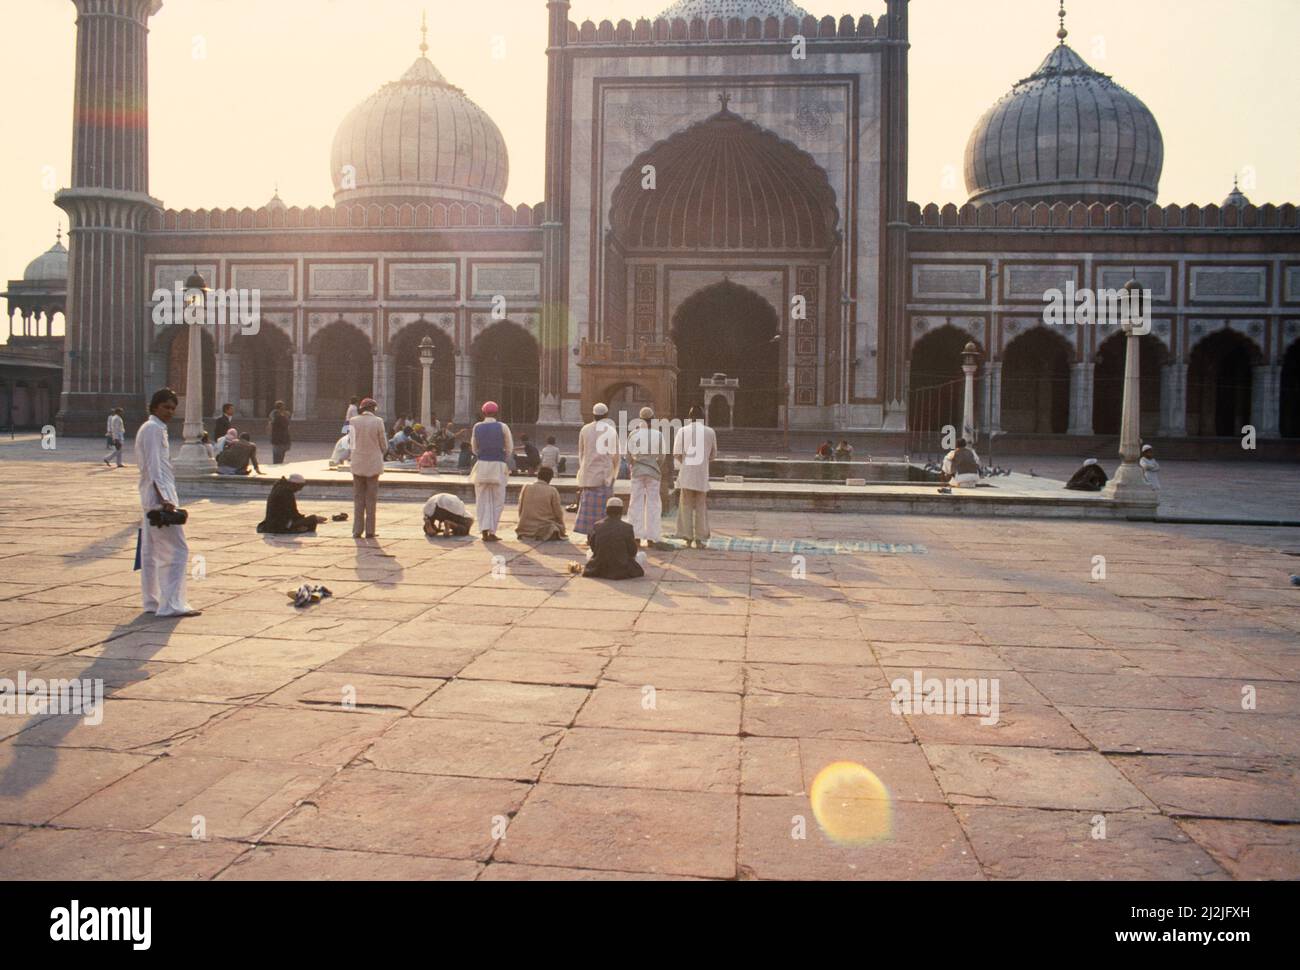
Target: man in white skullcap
x,y
1150,467
613,546
282,515
597,468
646,454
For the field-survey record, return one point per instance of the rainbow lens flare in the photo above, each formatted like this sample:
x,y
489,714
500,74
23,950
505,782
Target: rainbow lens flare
x,y
851,805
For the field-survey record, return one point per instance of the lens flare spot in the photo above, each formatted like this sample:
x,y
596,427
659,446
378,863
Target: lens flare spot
x,y
851,805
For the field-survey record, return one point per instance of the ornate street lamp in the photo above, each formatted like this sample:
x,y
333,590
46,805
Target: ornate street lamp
x,y
193,460
1128,485
970,356
426,381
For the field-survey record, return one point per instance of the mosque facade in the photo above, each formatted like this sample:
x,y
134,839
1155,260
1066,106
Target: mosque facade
x,y
725,194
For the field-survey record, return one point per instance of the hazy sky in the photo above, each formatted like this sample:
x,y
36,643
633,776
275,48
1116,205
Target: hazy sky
x,y
248,93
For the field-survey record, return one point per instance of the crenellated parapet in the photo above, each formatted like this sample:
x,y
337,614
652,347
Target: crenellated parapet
x,y
437,215
718,30
1099,216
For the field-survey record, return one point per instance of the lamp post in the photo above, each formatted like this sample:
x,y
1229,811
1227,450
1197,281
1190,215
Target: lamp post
x,y
193,460
970,356
1128,485
426,389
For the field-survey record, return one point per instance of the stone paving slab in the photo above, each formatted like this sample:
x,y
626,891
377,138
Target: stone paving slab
x,y
438,718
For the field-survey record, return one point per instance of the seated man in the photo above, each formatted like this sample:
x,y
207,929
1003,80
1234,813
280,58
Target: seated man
x,y
237,456
397,445
844,451
541,516
342,449
446,515
531,458
962,466
613,546
1150,467
282,515
1089,477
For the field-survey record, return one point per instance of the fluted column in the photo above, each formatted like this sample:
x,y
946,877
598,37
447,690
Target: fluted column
x,y
1081,391
465,411
994,385
554,323
1266,400
304,386
385,385
1173,401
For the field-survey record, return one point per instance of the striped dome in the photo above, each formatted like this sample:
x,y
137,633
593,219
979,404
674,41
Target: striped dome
x,y
726,9
1065,133
419,139
725,183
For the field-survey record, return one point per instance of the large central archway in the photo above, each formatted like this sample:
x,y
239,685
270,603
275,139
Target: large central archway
x,y
728,329
720,194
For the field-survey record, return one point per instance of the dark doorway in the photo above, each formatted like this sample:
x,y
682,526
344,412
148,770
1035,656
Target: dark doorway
x,y
1036,383
728,329
410,372
506,371
1108,383
178,365
1289,419
344,369
1219,385
265,370
936,384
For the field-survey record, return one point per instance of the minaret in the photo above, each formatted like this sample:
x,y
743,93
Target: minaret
x,y
555,242
893,311
107,206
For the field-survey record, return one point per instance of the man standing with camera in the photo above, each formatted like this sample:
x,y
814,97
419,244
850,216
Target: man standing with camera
x,y
164,554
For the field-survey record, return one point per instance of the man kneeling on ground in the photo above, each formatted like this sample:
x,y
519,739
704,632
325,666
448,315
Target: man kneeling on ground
x,y
1088,478
613,546
282,515
541,516
446,515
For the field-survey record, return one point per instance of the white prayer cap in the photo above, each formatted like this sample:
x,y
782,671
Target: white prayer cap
x,y
647,413
1147,448
297,479
614,503
600,410
1090,461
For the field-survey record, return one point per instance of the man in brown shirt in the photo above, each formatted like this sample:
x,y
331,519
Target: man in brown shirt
x,y
541,515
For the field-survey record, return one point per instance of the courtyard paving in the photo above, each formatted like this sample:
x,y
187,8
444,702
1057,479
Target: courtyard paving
x,y
451,715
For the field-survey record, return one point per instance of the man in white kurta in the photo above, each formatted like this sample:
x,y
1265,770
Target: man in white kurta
x,y
645,451
694,447
164,554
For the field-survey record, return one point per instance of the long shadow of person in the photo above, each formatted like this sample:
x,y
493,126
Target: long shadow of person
x,y
36,746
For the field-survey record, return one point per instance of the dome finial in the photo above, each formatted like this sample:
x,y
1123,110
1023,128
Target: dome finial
x,y
58,233
424,33
1062,33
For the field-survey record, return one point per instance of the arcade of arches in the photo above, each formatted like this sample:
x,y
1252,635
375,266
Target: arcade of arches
x,y
343,368
1039,387
506,362
409,372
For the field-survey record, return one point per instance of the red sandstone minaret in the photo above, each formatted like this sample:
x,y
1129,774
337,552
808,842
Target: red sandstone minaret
x,y
107,205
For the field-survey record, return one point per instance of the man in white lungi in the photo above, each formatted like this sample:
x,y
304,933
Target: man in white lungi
x,y
694,447
164,554
492,445
645,455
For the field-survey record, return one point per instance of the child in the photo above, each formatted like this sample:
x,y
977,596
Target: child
x,y
551,456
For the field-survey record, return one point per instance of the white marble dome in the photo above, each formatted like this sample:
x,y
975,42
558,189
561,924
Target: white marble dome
x,y
419,139
1066,133
726,9
51,265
